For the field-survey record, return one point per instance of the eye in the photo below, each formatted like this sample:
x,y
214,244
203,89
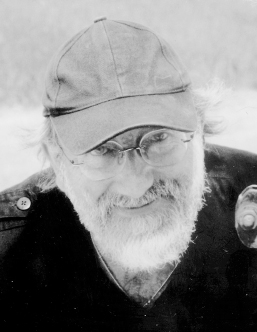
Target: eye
x,y
159,137
160,143
99,151
155,138
108,149
102,157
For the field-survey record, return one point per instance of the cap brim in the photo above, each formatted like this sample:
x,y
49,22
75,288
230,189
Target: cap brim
x,y
83,130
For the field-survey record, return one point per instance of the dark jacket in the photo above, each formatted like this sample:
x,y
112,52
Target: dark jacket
x,y
50,276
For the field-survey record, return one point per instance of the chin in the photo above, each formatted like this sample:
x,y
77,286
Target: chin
x,y
148,242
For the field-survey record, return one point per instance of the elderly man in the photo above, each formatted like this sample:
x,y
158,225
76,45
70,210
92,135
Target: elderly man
x,y
133,227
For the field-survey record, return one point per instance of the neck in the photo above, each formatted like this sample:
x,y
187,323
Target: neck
x,y
142,286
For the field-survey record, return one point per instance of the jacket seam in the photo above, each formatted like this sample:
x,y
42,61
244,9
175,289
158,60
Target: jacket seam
x,y
4,227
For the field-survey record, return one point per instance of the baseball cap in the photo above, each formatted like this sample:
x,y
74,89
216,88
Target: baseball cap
x,y
111,77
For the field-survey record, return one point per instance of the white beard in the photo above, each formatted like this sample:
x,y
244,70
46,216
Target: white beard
x,y
150,241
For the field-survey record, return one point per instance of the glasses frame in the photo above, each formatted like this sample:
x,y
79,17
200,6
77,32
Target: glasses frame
x,y
138,147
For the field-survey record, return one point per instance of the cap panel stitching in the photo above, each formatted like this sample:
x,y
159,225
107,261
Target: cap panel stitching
x,y
58,63
112,57
135,94
58,89
163,52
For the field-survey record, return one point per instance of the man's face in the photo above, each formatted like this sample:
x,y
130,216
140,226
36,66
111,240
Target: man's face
x,y
144,216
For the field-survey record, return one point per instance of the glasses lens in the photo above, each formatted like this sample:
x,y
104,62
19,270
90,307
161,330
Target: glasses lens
x,y
163,147
104,161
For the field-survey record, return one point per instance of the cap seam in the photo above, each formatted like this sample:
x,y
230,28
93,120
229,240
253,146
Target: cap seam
x,y
101,101
54,111
115,66
138,28
61,57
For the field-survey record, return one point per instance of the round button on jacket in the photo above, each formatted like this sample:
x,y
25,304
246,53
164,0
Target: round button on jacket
x,y
23,203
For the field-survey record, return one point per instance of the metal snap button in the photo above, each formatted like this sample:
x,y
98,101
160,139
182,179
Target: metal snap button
x,y
23,203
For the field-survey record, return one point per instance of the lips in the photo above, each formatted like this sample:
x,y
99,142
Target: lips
x,y
135,207
147,208
140,206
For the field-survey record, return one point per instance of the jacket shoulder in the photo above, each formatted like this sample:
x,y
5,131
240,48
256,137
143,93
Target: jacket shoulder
x,y
18,201
15,202
16,205
230,163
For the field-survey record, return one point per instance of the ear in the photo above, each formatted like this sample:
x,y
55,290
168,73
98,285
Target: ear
x,y
54,157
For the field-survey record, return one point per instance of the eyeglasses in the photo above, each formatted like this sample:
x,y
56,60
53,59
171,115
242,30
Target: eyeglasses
x,y
158,148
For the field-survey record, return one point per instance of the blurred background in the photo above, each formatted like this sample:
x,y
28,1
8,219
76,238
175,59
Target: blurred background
x,y
214,38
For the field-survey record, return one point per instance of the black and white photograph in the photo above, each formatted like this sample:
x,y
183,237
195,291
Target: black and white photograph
x,y
128,183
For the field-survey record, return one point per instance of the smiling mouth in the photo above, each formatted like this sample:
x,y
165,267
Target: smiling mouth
x,y
147,208
139,207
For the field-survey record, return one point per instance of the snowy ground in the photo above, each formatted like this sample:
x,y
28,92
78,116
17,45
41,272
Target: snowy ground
x,y
18,162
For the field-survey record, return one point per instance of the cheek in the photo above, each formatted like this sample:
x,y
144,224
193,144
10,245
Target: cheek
x,y
185,167
82,184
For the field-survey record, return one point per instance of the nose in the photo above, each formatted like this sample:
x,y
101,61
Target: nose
x,y
135,178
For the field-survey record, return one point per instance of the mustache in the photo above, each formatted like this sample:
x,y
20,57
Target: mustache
x,y
169,188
